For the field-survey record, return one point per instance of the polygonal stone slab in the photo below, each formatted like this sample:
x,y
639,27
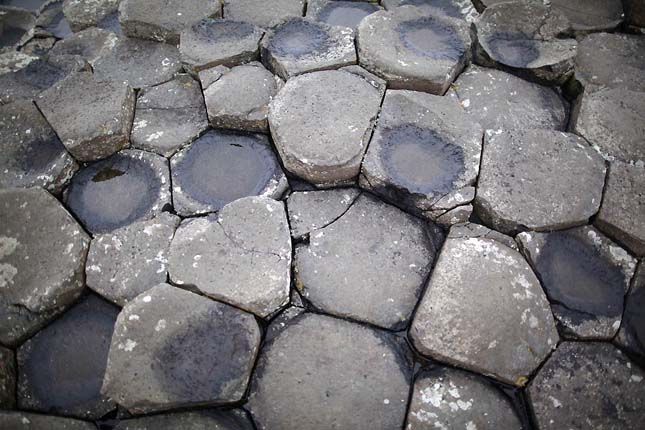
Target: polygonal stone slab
x,y
588,385
203,352
42,255
256,11
469,229
412,49
221,167
369,265
61,368
591,15
7,379
324,141
241,257
81,14
169,116
353,365
129,186
424,154
301,45
631,336
585,275
481,283
89,44
32,153
454,8
340,13
538,180
214,420
26,421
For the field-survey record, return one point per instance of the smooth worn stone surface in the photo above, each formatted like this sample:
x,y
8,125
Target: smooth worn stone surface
x,y
454,8
42,258
32,154
340,13
369,265
444,398
61,368
91,117
241,256
354,365
221,167
214,42
585,275
257,13
129,186
89,44
202,352
27,421
499,100
202,420
591,15
526,38
169,116
81,14
631,336
164,21
16,27
481,283
538,180
130,260
7,379
424,153
472,230
588,385
302,45
319,138
623,205
52,22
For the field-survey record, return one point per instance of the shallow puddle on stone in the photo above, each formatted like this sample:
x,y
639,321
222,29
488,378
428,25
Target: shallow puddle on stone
x,y
298,38
346,13
514,50
430,38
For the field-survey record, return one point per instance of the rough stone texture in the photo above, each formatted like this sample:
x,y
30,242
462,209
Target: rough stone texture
x,y
7,379
481,283
340,13
454,8
242,256
354,365
38,47
42,257
369,77
130,260
203,352
32,154
499,100
52,22
319,138
164,21
92,118
424,154
591,15
61,368
413,49
202,420
169,116
447,398
81,14
585,275
256,11
538,180
214,42
26,421
623,205
302,45
588,385
631,336
472,230
89,44
221,167
369,265
16,27
129,186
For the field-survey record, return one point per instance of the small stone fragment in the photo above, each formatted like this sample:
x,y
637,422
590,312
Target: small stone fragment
x,y
234,419
631,336
340,13
591,15
81,14
89,44
26,421
257,13
7,379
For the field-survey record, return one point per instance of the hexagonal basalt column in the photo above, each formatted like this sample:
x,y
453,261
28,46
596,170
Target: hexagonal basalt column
x,y
257,12
341,13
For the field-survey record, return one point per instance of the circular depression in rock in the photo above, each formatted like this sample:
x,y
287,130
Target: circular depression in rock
x,y
428,37
298,38
345,13
513,49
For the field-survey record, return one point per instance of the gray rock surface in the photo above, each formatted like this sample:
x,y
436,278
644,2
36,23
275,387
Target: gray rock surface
x,y
591,15
203,420
27,421
635,13
81,14
89,44
16,27
472,230
51,21
631,336
454,8
256,12
341,13
7,379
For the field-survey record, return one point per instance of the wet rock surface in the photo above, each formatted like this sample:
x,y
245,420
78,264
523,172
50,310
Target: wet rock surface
x,y
7,379
31,421
340,13
215,420
256,12
631,336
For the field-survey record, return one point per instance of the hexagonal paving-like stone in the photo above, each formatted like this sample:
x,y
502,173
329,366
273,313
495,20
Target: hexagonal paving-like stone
x,y
169,116
61,368
481,283
129,186
370,264
321,123
81,14
26,421
413,49
632,331
424,154
256,11
89,44
32,153
340,13
585,275
42,255
7,379
591,15
222,166
588,385
202,420
203,352
241,256
538,180
354,365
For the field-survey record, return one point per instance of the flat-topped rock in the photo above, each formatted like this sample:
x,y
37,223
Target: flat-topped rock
x,y
129,186
42,256
257,13
454,8
169,116
61,368
301,45
7,379
234,419
33,156
203,352
241,256
89,44
340,13
585,275
631,336
324,142
481,283
588,385
221,167
28,421
284,385
538,180
81,14
591,15
473,230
